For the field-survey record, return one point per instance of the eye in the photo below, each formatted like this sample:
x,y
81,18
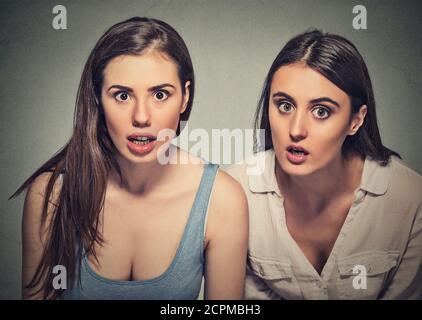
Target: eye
x,y
122,96
161,95
321,112
285,107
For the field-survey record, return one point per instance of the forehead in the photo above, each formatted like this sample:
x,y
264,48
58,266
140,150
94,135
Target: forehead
x,y
148,69
299,80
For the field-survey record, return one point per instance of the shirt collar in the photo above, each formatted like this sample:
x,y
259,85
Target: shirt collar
x,y
375,178
265,181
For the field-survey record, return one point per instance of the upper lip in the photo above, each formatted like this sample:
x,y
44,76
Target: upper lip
x,y
298,148
137,135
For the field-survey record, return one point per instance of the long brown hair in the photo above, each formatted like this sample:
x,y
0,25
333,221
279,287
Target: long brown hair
x,y
337,59
86,160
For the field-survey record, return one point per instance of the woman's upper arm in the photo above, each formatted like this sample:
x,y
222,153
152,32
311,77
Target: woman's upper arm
x,y
34,232
227,236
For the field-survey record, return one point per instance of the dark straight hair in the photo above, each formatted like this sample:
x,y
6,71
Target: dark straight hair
x,y
86,160
337,59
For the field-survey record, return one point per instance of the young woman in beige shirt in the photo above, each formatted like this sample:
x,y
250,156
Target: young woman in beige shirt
x,y
333,213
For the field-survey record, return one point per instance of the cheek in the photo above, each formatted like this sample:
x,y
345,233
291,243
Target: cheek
x,y
279,127
114,123
167,118
329,139
274,122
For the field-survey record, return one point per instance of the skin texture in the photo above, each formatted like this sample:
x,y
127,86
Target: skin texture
x,y
319,191
145,213
148,108
308,124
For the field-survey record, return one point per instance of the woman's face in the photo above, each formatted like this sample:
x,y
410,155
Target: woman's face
x,y
309,118
141,96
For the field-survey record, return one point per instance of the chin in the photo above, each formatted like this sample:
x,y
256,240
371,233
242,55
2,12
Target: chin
x,y
299,170
143,159
134,159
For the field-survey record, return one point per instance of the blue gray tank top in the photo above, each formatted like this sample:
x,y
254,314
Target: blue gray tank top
x,y
182,279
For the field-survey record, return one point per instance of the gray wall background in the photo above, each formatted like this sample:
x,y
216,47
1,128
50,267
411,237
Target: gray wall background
x,y
232,44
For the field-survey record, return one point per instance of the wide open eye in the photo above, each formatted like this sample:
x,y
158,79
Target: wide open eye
x,y
321,112
161,95
285,107
122,96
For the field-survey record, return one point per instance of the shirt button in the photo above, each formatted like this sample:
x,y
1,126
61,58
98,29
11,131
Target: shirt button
x,y
359,197
261,271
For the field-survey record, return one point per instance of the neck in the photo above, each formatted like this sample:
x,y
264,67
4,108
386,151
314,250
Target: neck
x,y
341,177
143,178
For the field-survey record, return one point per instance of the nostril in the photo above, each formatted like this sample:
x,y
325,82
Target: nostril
x,y
141,123
296,138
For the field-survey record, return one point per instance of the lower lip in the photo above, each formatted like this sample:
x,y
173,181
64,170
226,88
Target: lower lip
x,y
141,149
295,158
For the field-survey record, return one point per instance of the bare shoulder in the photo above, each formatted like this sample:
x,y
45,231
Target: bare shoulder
x,y
228,193
228,207
39,185
36,229
35,197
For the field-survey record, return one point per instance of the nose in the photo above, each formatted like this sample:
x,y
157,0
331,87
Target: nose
x,y
298,126
141,116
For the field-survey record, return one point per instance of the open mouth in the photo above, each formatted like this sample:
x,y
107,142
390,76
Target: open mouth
x,y
297,151
142,140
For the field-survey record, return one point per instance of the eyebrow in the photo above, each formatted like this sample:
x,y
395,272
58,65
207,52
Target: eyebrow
x,y
151,89
318,100
326,99
285,95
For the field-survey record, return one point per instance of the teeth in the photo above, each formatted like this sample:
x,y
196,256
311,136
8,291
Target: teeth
x,y
141,138
297,152
141,142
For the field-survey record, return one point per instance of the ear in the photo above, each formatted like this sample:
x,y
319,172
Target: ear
x,y
185,97
357,120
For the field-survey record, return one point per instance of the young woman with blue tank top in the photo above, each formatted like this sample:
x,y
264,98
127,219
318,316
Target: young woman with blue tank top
x,y
123,222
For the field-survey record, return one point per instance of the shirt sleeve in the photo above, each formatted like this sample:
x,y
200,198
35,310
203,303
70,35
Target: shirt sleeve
x,y
407,281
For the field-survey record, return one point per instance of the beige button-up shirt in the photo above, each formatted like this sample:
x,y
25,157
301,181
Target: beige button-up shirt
x,y
378,252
